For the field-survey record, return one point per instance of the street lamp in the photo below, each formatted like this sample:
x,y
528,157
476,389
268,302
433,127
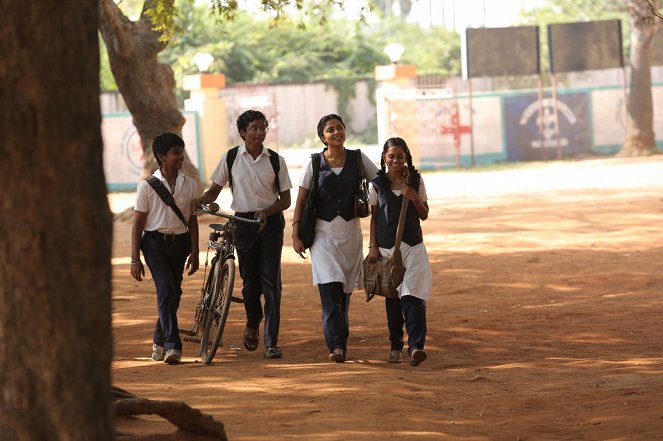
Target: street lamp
x,y
394,51
203,60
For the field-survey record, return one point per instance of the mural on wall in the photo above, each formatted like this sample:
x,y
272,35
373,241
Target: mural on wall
x,y
123,150
524,140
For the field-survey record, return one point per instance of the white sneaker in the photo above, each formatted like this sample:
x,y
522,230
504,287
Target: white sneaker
x,y
157,352
173,356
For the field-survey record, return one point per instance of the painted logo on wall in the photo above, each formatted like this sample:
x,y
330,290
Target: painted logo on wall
x,y
531,132
132,149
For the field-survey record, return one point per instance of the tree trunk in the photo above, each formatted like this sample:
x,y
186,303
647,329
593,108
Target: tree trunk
x,y
147,86
640,138
55,225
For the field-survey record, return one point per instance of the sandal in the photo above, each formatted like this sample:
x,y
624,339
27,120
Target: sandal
x,y
250,343
417,356
273,352
395,357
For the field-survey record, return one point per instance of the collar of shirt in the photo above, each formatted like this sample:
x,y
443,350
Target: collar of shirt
x,y
243,150
180,177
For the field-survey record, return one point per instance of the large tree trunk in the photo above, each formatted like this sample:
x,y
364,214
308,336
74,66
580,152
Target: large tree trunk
x,y
640,138
147,86
55,226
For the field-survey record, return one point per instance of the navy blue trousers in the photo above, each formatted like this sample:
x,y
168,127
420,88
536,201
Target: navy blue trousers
x,y
166,259
335,315
411,312
259,254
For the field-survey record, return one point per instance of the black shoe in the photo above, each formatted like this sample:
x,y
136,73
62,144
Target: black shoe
x,y
251,342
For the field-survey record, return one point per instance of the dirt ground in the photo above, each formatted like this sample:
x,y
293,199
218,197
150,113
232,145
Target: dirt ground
x,y
545,324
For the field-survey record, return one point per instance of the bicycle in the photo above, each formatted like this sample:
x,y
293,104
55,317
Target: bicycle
x,y
216,293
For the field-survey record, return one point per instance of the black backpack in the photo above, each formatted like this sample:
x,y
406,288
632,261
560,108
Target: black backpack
x,y
273,158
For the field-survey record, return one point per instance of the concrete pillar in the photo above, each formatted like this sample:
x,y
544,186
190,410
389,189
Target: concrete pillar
x,y
212,118
395,84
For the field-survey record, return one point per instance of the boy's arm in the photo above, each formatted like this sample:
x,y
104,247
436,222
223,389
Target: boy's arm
x,y
192,263
281,204
137,269
207,197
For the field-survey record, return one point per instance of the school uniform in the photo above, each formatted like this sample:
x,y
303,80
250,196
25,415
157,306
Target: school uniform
x,y
336,253
410,308
166,245
258,251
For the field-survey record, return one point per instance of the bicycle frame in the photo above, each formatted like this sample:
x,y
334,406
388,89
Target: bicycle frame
x,y
216,292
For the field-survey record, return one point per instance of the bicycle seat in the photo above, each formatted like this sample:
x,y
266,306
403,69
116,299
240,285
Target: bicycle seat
x,y
217,227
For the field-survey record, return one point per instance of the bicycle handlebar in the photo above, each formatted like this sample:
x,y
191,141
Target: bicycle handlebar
x,y
213,211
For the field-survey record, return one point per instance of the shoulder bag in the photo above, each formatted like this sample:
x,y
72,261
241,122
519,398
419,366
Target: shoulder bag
x,y
306,230
362,209
383,277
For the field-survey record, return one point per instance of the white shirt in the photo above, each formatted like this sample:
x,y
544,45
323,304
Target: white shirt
x,y
373,195
253,180
160,217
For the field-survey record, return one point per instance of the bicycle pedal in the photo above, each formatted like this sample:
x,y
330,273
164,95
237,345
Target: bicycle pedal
x,y
191,339
237,299
186,332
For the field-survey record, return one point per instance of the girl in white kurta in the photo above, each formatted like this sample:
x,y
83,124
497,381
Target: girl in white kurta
x,y
401,180
336,253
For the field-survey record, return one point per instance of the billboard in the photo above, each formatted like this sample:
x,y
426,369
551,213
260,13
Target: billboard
x,y
494,52
591,45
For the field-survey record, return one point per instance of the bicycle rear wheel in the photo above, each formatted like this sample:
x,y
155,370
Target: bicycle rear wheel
x,y
222,290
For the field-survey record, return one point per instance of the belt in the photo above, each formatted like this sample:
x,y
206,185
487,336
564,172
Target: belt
x,y
167,237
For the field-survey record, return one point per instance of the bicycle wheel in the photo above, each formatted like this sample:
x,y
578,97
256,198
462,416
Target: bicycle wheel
x,y
216,318
204,305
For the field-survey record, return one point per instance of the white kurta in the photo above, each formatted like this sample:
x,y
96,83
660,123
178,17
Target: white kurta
x,y
336,253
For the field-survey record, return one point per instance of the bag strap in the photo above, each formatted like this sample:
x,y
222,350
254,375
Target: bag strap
x,y
273,159
165,196
399,230
360,164
230,160
315,160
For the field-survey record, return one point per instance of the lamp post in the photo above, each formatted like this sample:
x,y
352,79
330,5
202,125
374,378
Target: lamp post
x,y
394,51
203,60
393,80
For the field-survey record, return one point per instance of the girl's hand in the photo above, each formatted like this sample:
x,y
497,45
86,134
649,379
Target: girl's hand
x,y
373,254
298,246
409,193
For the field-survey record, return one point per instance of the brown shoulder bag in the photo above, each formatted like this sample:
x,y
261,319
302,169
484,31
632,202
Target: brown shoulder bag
x,y
384,276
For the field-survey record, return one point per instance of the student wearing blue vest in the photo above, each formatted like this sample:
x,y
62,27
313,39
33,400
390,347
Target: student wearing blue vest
x,y
166,240
260,187
336,253
386,192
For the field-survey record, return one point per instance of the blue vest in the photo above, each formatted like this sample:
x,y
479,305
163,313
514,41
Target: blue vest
x,y
388,212
336,193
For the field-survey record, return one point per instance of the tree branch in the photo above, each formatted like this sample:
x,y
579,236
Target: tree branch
x,y
178,413
654,9
115,27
